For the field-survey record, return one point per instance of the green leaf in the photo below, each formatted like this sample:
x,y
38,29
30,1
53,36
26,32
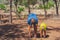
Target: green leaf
x,y
47,6
2,6
20,9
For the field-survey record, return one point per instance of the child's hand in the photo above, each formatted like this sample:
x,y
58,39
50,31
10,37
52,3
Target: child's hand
x,y
36,24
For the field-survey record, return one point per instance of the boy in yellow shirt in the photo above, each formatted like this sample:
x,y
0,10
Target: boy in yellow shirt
x,y
43,29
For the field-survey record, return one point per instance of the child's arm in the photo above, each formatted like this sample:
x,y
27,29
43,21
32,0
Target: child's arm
x,y
29,30
37,25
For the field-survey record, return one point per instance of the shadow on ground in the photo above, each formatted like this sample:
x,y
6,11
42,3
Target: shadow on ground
x,y
9,31
54,28
13,31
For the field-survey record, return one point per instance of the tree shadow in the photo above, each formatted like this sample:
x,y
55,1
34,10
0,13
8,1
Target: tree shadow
x,y
12,31
53,28
9,31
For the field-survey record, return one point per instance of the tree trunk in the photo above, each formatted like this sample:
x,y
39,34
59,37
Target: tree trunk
x,y
57,10
10,18
44,8
0,19
47,1
56,7
29,7
45,12
29,10
16,5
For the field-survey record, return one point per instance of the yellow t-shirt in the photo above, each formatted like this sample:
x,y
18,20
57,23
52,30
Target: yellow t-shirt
x,y
43,25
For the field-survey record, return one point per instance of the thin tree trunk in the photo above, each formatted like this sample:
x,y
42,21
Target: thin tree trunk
x,y
16,9
57,10
0,19
29,7
47,1
58,3
56,7
10,18
16,6
44,8
45,12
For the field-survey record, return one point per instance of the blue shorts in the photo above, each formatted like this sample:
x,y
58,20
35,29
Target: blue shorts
x,y
32,16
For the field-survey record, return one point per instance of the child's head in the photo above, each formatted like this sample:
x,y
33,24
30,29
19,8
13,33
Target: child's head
x,y
32,21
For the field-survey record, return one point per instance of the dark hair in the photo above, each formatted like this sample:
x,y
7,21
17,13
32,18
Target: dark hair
x,y
33,23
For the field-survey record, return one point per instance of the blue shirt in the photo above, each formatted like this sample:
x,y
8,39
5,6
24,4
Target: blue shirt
x,y
32,16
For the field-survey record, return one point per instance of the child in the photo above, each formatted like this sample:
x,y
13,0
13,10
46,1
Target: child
x,y
32,22
43,29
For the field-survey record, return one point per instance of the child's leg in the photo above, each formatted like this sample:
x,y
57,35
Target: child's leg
x,y
35,31
44,33
41,33
29,29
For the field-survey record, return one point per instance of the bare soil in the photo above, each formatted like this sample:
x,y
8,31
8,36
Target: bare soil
x,y
18,30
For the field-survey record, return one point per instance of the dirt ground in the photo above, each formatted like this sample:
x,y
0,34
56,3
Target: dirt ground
x,y
53,29
18,30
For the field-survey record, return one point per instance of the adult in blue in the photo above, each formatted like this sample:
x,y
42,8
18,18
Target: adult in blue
x,y
32,22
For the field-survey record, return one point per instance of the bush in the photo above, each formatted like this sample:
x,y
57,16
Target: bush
x,y
41,6
47,6
26,4
33,2
20,9
2,6
51,3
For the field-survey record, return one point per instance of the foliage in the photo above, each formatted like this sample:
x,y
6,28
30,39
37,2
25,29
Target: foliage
x,y
47,6
20,9
25,4
2,6
51,3
33,2
15,2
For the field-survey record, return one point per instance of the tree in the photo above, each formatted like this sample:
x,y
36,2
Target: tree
x,y
56,4
20,2
6,2
16,3
29,6
44,8
33,2
16,6
10,18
